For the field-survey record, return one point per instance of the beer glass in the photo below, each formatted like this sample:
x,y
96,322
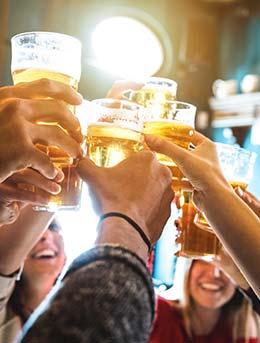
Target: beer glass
x,y
115,131
173,120
170,119
197,238
155,90
237,165
176,124
55,56
154,94
193,241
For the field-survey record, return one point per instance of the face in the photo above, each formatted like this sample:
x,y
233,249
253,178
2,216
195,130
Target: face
x,y
209,286
47,257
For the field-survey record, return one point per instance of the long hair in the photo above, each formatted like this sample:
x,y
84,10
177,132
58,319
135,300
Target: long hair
x,y
238,311
15,301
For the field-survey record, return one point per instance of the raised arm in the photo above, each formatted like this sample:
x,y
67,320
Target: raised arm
x,y
17,239
109,288
236,225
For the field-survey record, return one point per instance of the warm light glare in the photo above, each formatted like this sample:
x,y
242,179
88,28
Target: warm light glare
x,y
79,228
126,48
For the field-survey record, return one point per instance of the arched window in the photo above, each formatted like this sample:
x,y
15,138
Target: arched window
x,y
127,48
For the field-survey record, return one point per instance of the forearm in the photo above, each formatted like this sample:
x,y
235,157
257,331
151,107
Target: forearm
x,y
17,239
238,228
107,297
226,263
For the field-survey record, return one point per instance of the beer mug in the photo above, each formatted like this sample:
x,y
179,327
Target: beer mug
x,y
55,56
114,132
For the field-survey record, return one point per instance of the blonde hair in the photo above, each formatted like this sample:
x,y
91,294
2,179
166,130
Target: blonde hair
x,y
238,311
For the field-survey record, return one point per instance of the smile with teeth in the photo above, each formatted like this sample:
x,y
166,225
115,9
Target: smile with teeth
x,y
212,287
46,253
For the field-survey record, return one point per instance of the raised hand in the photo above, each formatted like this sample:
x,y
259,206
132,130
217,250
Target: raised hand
x,y
139,187
200,165
24,111
13,198
120,86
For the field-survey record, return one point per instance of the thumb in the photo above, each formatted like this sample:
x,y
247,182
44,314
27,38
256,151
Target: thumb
x,y
121,86
87,169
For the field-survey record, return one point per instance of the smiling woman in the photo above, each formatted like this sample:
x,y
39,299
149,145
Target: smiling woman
x,y
210,288
212,310
41,269
46,260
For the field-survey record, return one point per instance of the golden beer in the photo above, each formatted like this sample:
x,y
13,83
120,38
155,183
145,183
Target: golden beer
x,y
155,98
29,75
173,130
109,144
155,90
155,94
177,133
199,241
149,95
195,242
69,196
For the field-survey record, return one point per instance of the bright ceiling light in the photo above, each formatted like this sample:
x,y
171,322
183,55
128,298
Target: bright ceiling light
x,y
127,48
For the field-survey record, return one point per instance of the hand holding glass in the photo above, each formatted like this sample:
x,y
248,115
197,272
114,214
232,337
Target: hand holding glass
x,y
197,237
55,56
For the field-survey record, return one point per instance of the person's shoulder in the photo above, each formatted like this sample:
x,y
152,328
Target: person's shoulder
x,y
168,307
168,325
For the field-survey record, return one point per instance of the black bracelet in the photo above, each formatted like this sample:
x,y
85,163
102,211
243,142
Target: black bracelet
x,y
131,222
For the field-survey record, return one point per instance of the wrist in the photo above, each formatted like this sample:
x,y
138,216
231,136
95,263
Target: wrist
x,y
130,211
215,186
117,231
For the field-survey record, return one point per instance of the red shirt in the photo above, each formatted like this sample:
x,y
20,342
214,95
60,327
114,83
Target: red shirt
x,y
169,328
